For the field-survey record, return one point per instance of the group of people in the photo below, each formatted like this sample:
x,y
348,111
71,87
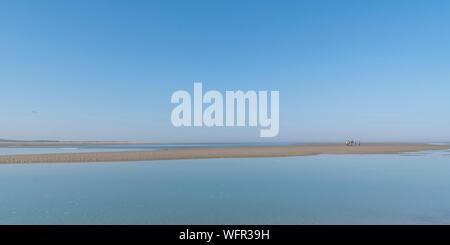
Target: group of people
x,y
352,143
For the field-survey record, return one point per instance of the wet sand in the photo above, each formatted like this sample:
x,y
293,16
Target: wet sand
x,y
224,152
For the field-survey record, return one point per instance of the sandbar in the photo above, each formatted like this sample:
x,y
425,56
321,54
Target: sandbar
x,y
222,152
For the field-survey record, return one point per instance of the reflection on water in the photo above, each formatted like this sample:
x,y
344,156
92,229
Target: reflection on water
x,y
78,149
122,147
327,189
425,153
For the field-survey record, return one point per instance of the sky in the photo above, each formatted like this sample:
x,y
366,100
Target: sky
x,y
106,70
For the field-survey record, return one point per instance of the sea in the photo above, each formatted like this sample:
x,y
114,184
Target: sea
x,y
406,188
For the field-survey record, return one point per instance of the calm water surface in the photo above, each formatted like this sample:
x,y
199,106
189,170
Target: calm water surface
x,y
121,147
327,189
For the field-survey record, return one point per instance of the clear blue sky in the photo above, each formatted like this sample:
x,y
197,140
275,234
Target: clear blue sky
x,y
105,70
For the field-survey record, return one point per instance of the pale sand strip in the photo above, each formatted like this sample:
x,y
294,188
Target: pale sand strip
x,y
226,152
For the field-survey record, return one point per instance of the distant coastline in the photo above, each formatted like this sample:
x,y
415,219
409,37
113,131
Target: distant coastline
x,y
56,143
204,153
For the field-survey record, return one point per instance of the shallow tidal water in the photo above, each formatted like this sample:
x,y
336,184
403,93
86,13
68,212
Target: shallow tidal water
x,y
86,148
411,188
